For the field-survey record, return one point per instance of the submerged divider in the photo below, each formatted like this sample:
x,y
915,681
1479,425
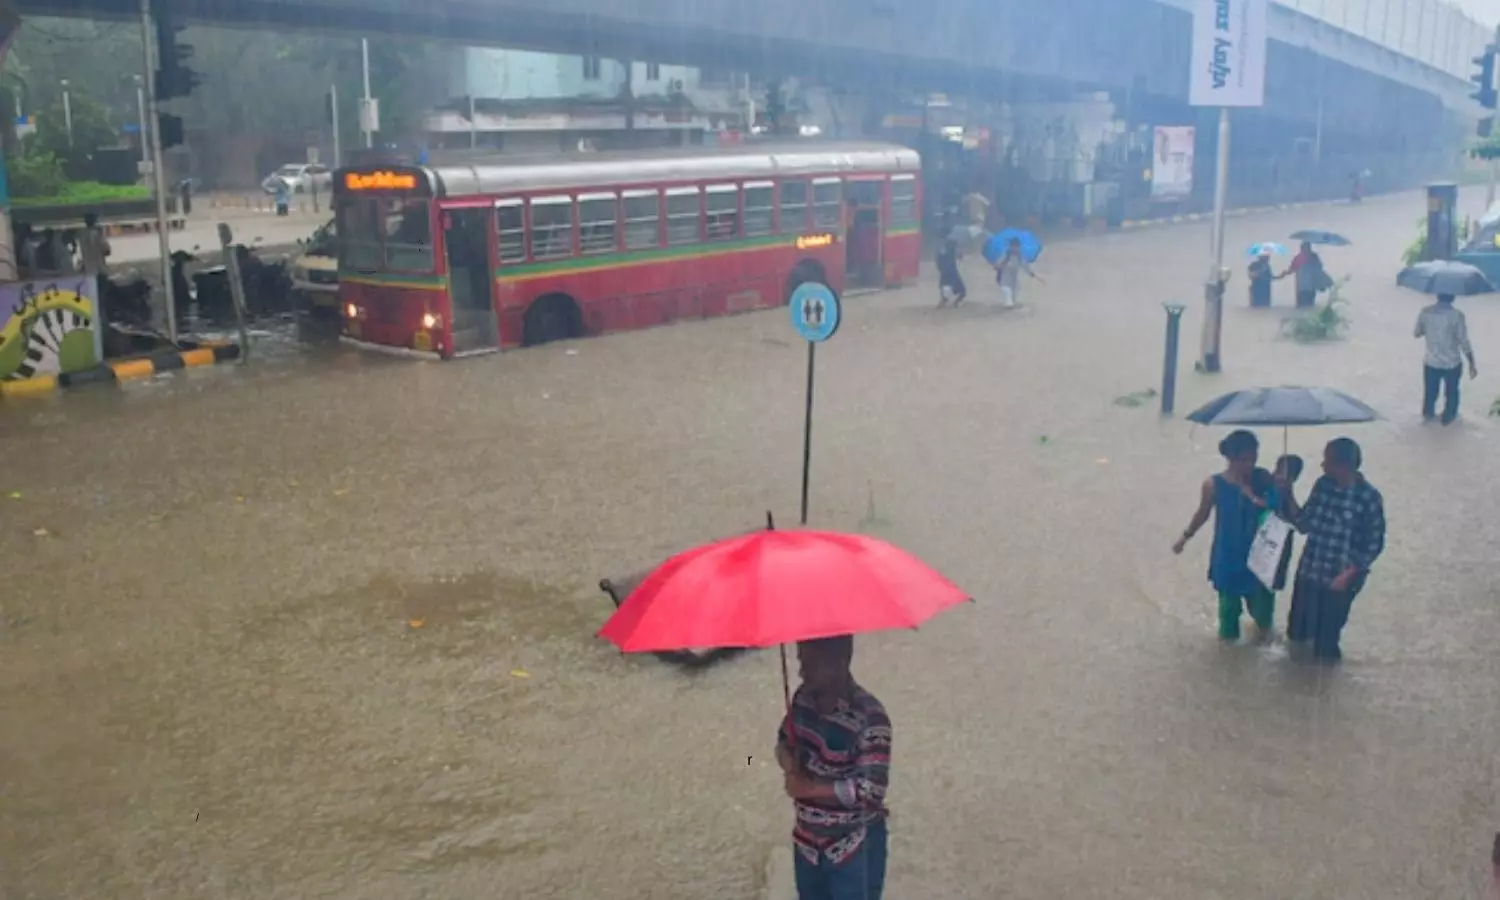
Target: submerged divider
x,y
116,371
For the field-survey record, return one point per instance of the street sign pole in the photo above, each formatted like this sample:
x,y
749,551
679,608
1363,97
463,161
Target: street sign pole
x,y
815,316
1227,69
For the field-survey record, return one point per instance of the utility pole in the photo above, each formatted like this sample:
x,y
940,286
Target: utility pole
x,y
333,119
148,45
366,111
473,125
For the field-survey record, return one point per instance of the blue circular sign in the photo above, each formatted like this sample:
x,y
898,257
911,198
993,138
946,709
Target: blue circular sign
x,y
815,311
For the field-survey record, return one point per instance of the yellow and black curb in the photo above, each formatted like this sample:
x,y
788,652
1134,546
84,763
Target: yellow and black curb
x,y
116,371
118,229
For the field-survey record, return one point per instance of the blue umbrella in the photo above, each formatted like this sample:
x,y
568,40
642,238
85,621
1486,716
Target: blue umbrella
x,y
1266,248
996,247
1314,236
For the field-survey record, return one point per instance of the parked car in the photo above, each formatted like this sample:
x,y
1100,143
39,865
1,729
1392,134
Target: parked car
x,y
1483,249
302,178
315,270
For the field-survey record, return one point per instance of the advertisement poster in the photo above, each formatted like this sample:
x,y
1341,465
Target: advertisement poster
x,y
47,327
1172,163
1229,53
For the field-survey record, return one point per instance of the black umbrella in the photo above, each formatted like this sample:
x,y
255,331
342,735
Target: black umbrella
x,y
1316,236
1284,406
1445,277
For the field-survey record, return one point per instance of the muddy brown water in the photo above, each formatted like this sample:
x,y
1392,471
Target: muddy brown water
x,y
323,627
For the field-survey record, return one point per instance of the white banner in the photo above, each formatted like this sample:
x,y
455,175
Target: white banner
x,y
1229,53
1172,163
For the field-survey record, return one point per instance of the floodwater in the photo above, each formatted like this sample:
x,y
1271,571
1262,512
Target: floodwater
x,y
323,626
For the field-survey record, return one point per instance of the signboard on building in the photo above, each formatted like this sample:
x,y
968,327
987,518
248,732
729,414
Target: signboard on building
x,y
1229,53
1172,164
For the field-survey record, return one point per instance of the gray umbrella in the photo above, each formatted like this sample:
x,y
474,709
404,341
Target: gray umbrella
x,y
1445,277
1284,406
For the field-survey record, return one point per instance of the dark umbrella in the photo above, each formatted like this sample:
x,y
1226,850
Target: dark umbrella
x,y
1327,238
1284,406
1445,277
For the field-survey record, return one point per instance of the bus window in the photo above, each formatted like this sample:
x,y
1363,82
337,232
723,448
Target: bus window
x,y
642,218
903,200
793,207
598,223
551,227
408,236
359,232
828,203
723,211
510,224
683,212
759,198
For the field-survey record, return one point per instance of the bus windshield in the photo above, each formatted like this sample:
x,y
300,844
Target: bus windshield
x,y
385,234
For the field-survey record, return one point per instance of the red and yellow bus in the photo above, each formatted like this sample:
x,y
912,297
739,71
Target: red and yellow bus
x,y
462,259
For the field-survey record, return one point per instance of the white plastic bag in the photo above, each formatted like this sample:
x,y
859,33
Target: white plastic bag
x,y
1265,551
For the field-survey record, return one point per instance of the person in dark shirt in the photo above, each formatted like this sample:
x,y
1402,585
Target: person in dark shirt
x,y
834,747
951,287
1344,521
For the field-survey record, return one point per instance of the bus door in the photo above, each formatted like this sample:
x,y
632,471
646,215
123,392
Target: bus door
x,y
466,236
864,231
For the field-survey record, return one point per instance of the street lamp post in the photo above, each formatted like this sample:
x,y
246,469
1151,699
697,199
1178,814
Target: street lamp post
x,y
140,104
365,116
67,111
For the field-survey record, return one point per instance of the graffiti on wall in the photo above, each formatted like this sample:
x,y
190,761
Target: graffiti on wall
x,y
47,327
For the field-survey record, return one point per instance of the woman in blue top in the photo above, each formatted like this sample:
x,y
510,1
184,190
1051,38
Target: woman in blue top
x,y
1235,498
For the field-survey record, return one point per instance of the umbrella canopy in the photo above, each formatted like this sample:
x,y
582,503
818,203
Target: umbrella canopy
x,y
1445,277
1266,248
778,587
1327,238
999,243
1284,406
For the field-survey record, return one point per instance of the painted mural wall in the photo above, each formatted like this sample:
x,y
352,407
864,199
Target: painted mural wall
x,y
48,327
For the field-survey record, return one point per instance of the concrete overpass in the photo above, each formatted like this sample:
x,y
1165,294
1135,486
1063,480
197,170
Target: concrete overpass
x,y
1418,45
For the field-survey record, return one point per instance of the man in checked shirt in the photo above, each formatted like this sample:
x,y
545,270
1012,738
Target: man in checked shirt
x,y
836,765
1344,521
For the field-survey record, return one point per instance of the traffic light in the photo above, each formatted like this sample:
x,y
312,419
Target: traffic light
x,y
173,77
169,128
1484,78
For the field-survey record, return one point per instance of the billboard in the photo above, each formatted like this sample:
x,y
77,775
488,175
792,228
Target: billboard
x,y
1229,53
1172,163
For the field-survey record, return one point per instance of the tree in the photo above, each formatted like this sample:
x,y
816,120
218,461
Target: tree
x,y
91,130
1487,148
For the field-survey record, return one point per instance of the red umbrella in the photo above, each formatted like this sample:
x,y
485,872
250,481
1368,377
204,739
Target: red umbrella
x,y
778,587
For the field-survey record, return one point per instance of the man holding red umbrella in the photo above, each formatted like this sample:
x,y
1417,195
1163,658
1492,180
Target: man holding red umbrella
x,y
834,747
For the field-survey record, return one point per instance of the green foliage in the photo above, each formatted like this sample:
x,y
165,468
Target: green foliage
x,y
1418,247
91,131
1486,148
78,192
1328,321
35,175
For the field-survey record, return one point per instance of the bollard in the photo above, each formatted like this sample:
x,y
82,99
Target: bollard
x,y
1169,361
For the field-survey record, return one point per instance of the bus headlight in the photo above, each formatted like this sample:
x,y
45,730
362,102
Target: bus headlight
x,y
429,321
351,311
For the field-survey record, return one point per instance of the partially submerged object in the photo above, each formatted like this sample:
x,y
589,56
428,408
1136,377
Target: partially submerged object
x,y
619,589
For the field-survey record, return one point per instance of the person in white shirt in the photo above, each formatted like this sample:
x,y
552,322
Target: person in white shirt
x,y
1447,334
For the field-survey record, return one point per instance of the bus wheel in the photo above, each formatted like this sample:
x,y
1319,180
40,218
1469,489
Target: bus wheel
x,y
554,317
803,272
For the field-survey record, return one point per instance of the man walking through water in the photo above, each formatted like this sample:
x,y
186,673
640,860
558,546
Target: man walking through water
x,y
1447,333
834,748
1344,521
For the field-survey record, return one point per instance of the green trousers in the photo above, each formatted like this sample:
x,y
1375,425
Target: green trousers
x,y
1261,606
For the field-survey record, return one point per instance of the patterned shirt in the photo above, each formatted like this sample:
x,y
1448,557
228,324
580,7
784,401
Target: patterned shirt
x,y
1447,333
850,747
1345,526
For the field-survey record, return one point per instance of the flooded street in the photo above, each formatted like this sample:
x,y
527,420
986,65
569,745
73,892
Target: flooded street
x,y
323,627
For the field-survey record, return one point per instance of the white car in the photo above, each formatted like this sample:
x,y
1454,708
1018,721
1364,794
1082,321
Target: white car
x,y
303,178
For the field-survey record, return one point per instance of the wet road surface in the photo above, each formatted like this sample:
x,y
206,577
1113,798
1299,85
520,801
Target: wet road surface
x,y
322,627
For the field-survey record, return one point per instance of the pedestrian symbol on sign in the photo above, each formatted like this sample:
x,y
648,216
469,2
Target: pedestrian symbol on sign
x,y
815,312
